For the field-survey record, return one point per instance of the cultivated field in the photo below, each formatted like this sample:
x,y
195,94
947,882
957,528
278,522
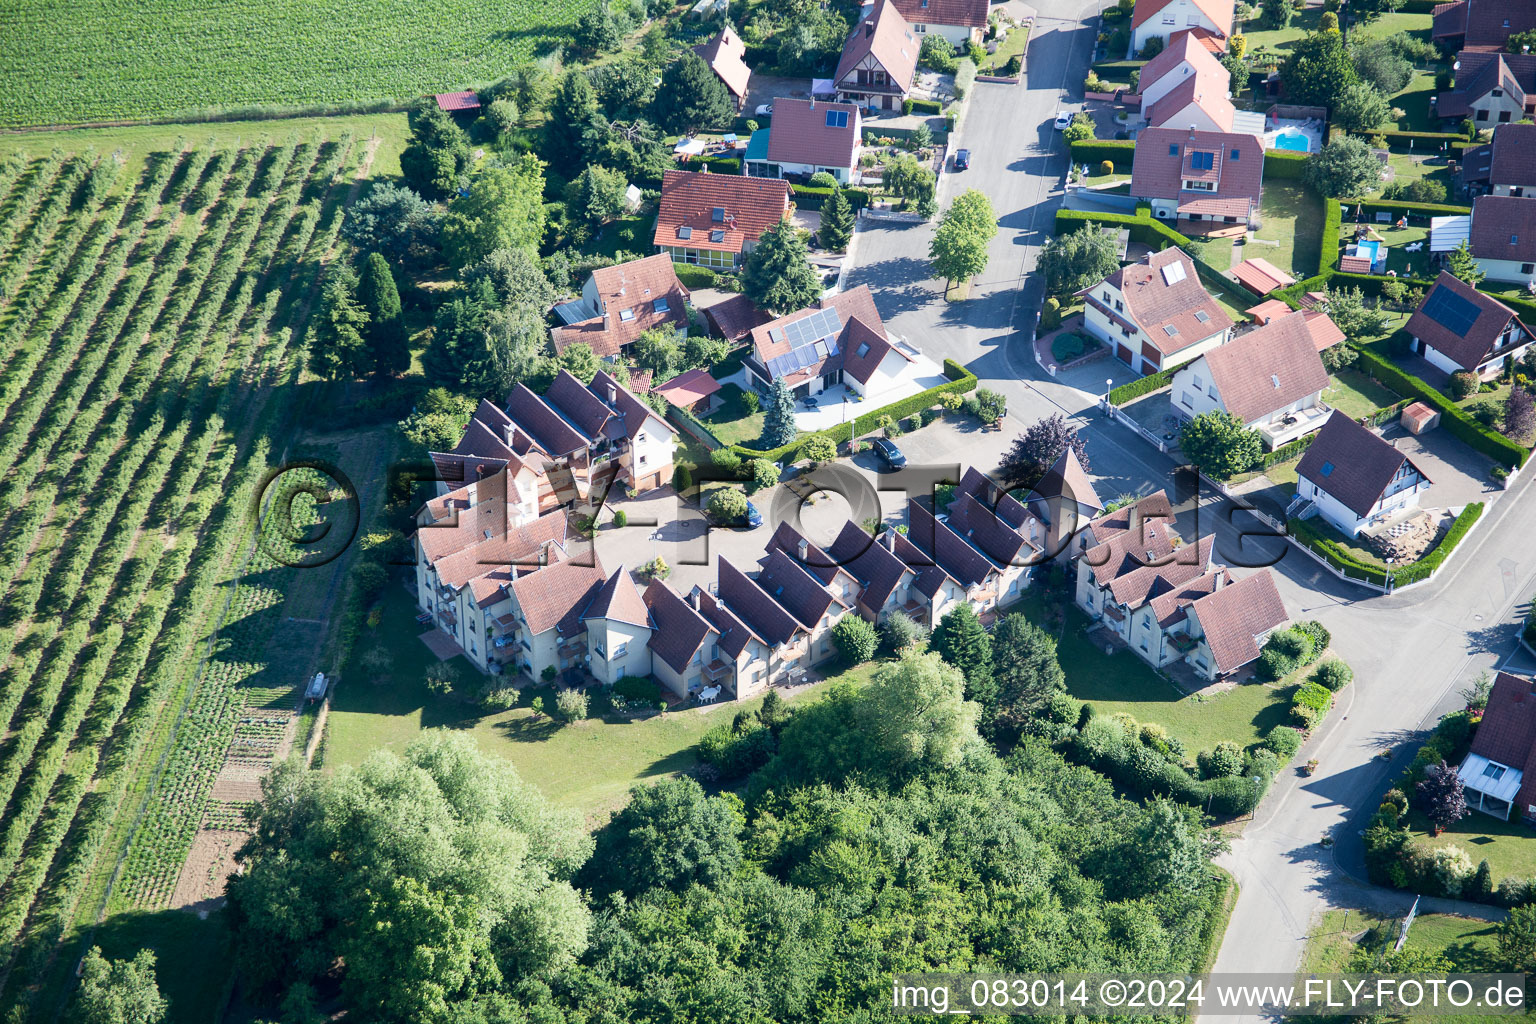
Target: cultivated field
x,y
102,60
151,327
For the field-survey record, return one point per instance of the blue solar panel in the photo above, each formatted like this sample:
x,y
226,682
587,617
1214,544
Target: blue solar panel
x,y
1451,311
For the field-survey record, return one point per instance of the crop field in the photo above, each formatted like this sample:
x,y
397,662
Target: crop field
x,y
151,328
102,60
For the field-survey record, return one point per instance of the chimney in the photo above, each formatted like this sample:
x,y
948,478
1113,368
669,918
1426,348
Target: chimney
x,y
613,395
694,600
890,540
1191,133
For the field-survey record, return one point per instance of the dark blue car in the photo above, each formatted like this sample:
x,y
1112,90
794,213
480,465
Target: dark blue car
x,y
962,159
888,452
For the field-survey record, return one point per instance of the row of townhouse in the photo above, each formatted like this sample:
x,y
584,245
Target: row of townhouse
x,y
1166,601
520,596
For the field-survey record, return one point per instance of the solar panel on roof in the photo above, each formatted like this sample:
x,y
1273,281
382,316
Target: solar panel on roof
x,y
1451,311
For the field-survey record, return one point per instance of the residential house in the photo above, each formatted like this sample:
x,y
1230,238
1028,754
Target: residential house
x,y
1503,238
1354,479
1129,569
788,642
878,63
1481,25
885,582
840,340
682,642
1271,378
807,136
815,606
1498,775
1491,89
618,626
1135,517
547,607
1506,166
1007,548
1325,333
486,449
1164,18
725,54
1230,625
714,220
958,21
1185,86
620,303
1154,315
735,657
960,557
935,593
1458,328
1203,179
1064,502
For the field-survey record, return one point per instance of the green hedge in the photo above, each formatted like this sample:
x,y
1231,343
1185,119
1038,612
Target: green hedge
x,y
716,164
1280,163
1370,207
808,198
688,421
1144,386
1405,140
1353,568
1455,419
1287,452
1145,230
694,277
1328,245
923,106
1239,296
1094,151
961,381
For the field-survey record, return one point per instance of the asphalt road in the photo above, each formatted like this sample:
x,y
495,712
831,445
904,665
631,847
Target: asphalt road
x,y
1411,652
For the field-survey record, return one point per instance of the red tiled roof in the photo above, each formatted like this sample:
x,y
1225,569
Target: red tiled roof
x,y
1169,608
1127,551
959,558
1183,51
734,318
1468,347
883,35
1492,22
1325,333
571,398
1144,582
1212,42
1008,508
678,629
969,13
552,434
864,350
1504,228
1163,160
997,540
1234,617
723,53
734,633
1067,479
1239,207
1156,304
1513,155
451,101
791,584
1261,276
1205,88
930,575
632,414
688,388
689,199
856,304
555,595
619,599
1139,514
1268,310
636,296
1507,733
788,540
1220,12
800,133
1481,73
1362,463
1267,369
1449,19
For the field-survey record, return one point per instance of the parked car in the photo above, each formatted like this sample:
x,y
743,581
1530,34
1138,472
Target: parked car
x,y
962,159
1063,118
765,110
888,452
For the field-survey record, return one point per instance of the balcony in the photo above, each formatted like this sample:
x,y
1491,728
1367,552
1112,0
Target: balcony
x,y
1292,425
716,671
572,645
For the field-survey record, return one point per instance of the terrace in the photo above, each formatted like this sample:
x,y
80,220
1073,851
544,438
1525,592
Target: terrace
x,y
1294,425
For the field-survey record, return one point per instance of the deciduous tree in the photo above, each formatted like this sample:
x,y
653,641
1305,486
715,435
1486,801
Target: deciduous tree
x,y
1077,259
1036,450
596,195
1348,311
916,715
1360,106
1378,62
670,835
855,638
1344,167
1519,414
118,991
580,361
1441,795
1220,444
504,210
959,246
1318,68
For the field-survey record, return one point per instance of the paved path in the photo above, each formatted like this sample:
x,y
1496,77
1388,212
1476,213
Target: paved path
x,y
1411,652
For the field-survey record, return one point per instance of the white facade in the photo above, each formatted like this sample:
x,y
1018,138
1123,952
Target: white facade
x,y
1494,364
1174,17
1191,114
957,35
1405,491
1130,344
617,649
1194,392
1497,107
1509,271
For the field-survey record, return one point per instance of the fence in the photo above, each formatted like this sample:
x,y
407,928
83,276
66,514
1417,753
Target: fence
x,y
1124,419
690,424
1298,113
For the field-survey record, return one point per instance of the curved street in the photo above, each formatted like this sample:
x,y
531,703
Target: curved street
x,y
1411,652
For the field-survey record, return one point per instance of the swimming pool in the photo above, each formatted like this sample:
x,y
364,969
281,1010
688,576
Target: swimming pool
x,y
1293,140
1370,249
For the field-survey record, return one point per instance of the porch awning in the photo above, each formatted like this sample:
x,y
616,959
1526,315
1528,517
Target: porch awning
x,y
1490,778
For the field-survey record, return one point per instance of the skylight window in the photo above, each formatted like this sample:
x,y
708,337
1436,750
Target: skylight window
x,y
717,235
1202,161
1327,469
717,215
837,119
1173,273
661,305
685,232
1173,149
1236,154
626,315
1170,330
1494,772
1202,315
863,349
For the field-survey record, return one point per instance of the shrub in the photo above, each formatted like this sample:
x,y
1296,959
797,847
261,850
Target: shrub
x,y
638,688
736,753
900,631
1311,695
682,479
1261,762
1333,674
1284,741
1463,384
1225,760
764,473
726,461
750,402
822,179
1107,167
1318,634
728,504
855,639
1451,868
1284,652
656,569
1304,716
620,519
571,705
818,448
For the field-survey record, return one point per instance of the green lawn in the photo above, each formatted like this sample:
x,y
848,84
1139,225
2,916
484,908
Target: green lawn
x,y
1508,846
1356,395
731,422
1013,45
1118,682
1414,103
627,234
1466,941
1293,221
1397,240
589,765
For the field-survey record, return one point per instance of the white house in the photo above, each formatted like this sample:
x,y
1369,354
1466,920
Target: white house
x,y
1186,86
1505,166
958,21
1459,328
1271,378
1354,479
1162,18
878,62
1154,315
807,136
1503,238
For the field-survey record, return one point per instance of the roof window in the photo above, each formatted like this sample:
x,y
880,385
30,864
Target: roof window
x,y
684,232
837,119
717,215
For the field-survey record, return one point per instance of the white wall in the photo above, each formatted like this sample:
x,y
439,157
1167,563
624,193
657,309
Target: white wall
x,y
956,34
1190,114
1486,109
1440,360
1508,270
606,638
1178,15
